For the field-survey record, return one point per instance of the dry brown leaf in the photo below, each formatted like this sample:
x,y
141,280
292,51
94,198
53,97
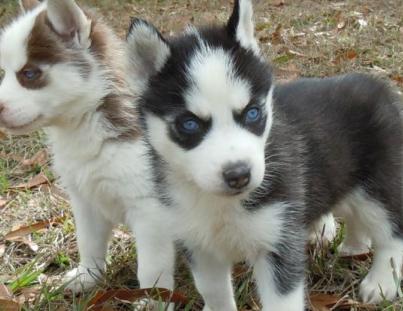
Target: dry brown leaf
x,y
40,158
398,79
9,305
22,231
351,54
35,181
276,37
7,302
343,54
5,293
2,135
2,202
328,302
358,257
323,302
132,295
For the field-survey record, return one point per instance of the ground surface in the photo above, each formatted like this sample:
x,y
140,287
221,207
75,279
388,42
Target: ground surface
x,y
302,38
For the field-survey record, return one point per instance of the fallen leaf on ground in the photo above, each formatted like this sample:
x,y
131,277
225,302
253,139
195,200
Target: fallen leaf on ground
x,y
2,202
40,158
5,292
54,190
22,231
398,79
2,135
276,37
35,181
132,295
328,302
358,257
342,55
9,305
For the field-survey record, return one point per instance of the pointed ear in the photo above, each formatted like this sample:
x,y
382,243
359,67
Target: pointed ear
x,y
28,5
147,48
69,21
241,26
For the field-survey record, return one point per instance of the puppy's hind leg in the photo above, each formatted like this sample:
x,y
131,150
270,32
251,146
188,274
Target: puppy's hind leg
x,y
356,240
383,278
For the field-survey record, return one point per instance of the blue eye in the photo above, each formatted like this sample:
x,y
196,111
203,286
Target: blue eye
x,y
190,126
252,115
31,74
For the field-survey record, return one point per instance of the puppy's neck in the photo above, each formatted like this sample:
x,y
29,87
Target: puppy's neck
x,y
107,110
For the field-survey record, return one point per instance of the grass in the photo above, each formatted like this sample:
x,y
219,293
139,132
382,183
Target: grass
x,y
302,38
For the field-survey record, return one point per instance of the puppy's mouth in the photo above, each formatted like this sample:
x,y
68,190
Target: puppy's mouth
x,y
237,192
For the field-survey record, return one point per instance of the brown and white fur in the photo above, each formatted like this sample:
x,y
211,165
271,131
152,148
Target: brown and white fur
x,y
64,71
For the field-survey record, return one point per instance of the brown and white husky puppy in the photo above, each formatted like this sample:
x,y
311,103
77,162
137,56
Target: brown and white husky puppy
x,y
64,71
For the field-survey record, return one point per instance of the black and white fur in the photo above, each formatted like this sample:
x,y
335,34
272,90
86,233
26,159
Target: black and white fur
x,y
242,188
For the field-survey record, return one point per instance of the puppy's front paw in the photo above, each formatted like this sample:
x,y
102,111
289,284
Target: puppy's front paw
x,y
352,248
378,286
323,231
81,279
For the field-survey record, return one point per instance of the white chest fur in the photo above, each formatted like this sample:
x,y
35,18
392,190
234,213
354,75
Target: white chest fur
x,y
110,175
222,227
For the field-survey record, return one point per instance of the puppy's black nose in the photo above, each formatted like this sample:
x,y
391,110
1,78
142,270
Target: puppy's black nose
x,y
237,175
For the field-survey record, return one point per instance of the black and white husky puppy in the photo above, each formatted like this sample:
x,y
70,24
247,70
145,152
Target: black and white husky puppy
x,y
247,166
